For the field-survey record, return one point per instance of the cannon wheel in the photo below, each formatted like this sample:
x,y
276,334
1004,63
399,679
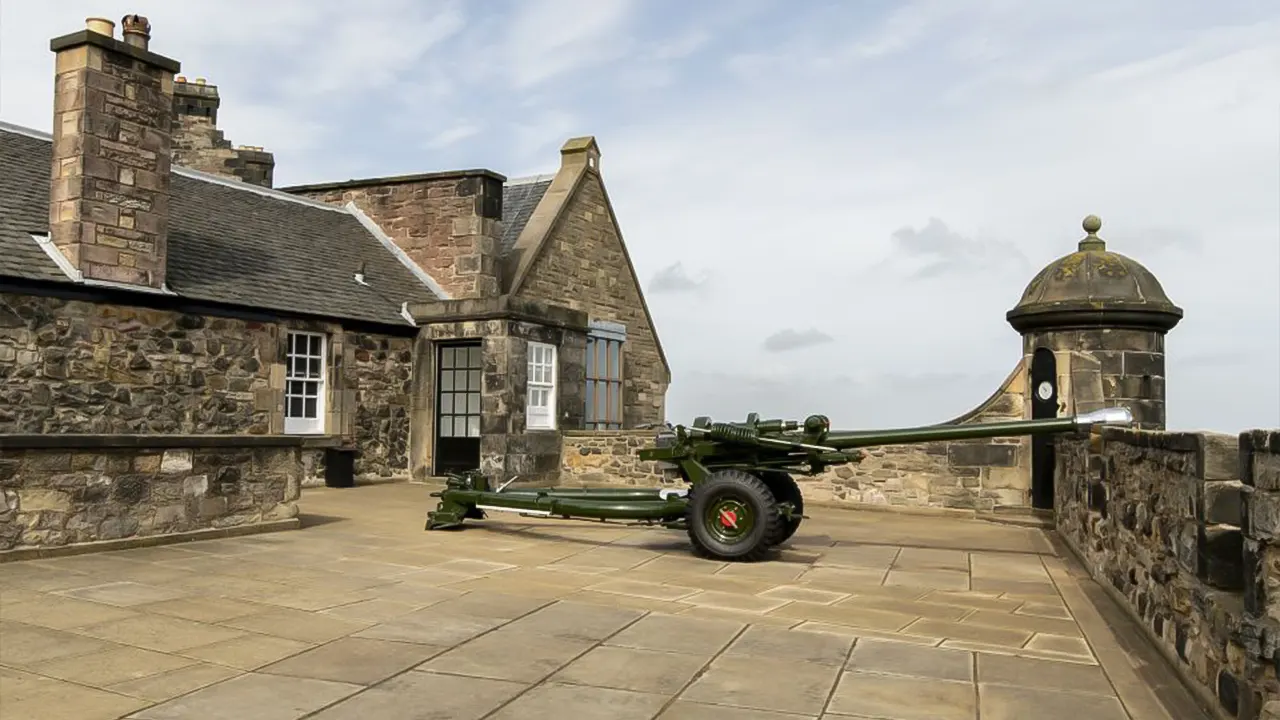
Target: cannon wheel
x,y
732,515
785,489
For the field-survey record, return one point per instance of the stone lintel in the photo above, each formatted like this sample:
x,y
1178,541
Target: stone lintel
x,y
503,307
95,442
398,180
87,37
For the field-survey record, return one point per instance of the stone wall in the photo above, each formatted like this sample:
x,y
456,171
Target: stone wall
x,y
447,223
980,475
1101,368
199,144
68,490
376,373
71,366
605,457
584,265
1164,521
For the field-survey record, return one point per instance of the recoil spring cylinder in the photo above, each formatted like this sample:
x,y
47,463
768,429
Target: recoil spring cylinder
x,y
731,433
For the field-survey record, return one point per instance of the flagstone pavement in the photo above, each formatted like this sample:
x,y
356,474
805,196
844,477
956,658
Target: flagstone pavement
x,y
363,615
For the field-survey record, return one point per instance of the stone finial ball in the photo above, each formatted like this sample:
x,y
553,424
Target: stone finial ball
x,y
1092,224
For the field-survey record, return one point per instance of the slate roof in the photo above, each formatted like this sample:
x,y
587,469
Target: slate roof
x,y
520,197
229,242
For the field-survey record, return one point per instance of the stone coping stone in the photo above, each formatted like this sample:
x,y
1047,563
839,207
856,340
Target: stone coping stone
x,y
142,441
141,541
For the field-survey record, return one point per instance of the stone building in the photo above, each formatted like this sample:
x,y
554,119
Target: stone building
x,y
153,282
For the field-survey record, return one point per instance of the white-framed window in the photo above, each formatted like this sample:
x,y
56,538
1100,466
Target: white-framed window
x,y
604,376
304,386
540,413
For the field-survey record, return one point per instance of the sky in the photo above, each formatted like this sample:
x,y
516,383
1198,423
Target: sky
x,y
830,205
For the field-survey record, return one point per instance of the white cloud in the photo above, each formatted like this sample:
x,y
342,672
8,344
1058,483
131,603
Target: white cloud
x,y
550,38
789,150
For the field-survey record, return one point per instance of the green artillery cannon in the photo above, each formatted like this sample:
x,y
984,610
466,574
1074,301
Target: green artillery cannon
x,y
742,498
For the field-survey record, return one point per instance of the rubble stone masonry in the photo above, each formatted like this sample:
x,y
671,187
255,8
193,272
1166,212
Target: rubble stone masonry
x,y
58,494
81,367
583,267
1184,530
609,457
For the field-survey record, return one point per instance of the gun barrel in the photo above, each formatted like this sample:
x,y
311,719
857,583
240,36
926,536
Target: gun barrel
x,y
846,440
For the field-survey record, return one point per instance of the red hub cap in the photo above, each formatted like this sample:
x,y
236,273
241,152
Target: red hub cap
x,y
728,518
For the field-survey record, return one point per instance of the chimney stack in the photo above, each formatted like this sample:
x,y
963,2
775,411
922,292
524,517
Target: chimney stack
x,y
113,113
199,144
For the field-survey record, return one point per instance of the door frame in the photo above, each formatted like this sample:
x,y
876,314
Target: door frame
x,y
437,389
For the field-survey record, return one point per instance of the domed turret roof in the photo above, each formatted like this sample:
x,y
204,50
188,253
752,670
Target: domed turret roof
x,y
1094,287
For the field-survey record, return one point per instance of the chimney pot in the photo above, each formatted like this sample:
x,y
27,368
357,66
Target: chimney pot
x,y
137,30
199,81
102,26
180,78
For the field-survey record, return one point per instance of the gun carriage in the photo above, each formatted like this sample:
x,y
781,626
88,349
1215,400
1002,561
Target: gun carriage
x,y
742,498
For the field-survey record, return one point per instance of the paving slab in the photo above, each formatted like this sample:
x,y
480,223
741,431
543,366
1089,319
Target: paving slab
x,y
874,655
905,698
621,668
425,696
516,655
362,661
253,695
760,641
27,695
861,614
553,700
670,633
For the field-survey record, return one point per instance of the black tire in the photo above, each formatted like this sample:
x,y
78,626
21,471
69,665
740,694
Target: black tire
x,y
785,489
718,505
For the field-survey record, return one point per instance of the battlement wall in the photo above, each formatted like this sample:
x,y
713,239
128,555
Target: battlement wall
x,y
1183,529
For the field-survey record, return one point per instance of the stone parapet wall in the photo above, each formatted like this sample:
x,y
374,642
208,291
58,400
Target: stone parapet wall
x,y
605,457
974,475
1180,527
980,475
61,491
970,475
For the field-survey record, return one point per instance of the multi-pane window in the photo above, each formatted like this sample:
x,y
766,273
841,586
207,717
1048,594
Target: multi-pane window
x,y
540,413
604,380
460,378
304,389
